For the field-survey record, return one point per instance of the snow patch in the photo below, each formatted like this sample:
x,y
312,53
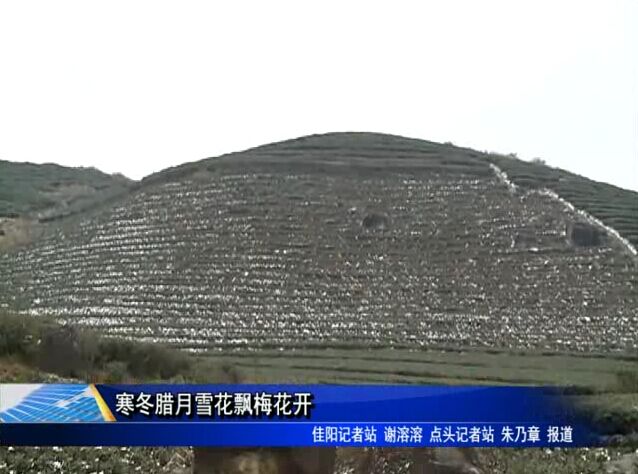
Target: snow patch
x,y
502,176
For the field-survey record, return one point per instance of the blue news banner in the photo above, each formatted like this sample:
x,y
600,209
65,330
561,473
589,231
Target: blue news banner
x,y
289,415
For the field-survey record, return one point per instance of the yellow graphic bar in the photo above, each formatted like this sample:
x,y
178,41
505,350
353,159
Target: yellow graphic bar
x,y
104,409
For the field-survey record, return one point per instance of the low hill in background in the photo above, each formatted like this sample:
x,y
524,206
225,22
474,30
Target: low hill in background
x,y
32,195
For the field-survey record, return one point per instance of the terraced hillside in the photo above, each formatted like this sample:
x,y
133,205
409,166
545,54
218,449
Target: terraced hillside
x,y
339,240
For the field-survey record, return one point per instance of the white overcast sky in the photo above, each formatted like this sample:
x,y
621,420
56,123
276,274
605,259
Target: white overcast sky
x,y
137,86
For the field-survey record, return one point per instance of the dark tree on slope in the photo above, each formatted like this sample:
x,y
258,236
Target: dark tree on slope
x,y
582,234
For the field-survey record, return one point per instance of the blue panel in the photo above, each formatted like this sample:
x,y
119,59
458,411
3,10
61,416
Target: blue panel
x,y
55,403
400,416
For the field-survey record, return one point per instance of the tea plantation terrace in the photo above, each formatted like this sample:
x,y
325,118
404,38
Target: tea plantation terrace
x,y
339,240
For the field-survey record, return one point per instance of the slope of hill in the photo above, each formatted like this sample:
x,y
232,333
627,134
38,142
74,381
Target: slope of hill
x,y
616,207
339,240
32,194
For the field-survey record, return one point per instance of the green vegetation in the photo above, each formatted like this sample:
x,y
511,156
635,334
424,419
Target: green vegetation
x,y
36,351
27,188
628,380
460,366
603,385
33,196
31,349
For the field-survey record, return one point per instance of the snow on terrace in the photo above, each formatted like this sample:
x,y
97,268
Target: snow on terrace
x,y
283,259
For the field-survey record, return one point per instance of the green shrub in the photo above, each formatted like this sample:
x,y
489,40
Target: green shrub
x,y
70,352
157,361
66,351
114,372
207,370
144,360
17,335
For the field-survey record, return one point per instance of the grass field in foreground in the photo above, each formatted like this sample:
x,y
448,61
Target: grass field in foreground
x,y
606,386
596,373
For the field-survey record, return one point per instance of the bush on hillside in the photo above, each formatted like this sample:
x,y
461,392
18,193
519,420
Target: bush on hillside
x,y
16,334
583,234
66,351
70,352
373,221
143,359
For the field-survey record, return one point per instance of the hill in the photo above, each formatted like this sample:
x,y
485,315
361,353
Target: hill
x,y
343,241
32,195
614,206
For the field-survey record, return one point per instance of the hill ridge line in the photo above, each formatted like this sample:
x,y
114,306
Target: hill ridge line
x,y
504,178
